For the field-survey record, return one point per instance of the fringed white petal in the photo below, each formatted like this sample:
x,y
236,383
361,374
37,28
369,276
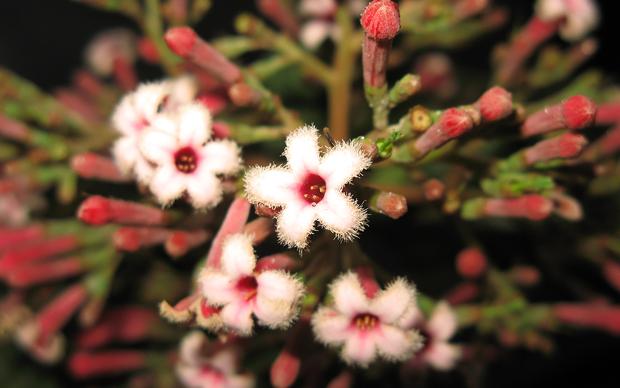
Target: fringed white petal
x,y
395,344
204,189
238,316
167,184
194,122
442,355
217,288
125,152
277,298
295,223
157,146
221,157
443,322
315,32
190,347
302,151
360,348
343,163
238,257
271,186
330,327
124,116
348,294
580,21
391,304
341,215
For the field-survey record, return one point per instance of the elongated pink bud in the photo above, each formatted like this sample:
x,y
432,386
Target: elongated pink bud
x,y
568,145
214,102
58,312
602,317
85,365
280,14
577,112
278,261
13,237
34,274
453,123
147,50
92,166
260,229
36,251
525,275
606,145
98,210
123,324
131,239
367,279
608,114
471,263
88,84
391,204
381,19
611,270
533,207
234,222
124,74
221,130
184,42
463,293
78,103
495,104
343,380
13,129
179,242
285,369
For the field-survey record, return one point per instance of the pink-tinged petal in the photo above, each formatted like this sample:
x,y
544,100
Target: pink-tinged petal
x,y
339,214
190,348
302,150
443,322
360,348
279,285
274,313
157,146
411,318
225,361
442,355
125,152
348,294
271,186
217,288
167,184
318,8
395,344
238,316
295,223
391,304
143,170
238,257
330,327
234,222
314,32
343,163
194,123
204,189
240,381
221,157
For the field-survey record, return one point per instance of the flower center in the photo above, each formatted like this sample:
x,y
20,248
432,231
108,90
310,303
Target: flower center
x,y
365,321
186,160
313,188
247,286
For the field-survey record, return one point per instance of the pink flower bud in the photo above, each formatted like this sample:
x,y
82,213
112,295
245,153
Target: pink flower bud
x,y
124,74
495,104
284,369
58,312
92,166
565,146
463,293
233,223
453,123
98,210
131,239
275,262
525,275
434,189
602,317
280,14
367,280
39,250
608,114
611,270
87,83
533,207
391,204
179,242
471,263
221,130
33,274
381,19
148,51
85,365
343,380
214,102
13,129
11,237
126,324
575,113
242,94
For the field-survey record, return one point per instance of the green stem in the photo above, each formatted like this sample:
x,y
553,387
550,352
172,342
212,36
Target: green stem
x,y
154,30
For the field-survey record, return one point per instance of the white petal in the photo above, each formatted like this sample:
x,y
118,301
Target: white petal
x,y
238,257
238,315
360,348
339,214
277,299
391,304
183,91
302,151
125,152
157,146
149,97
125,116
225,360
443,322
330,327
442,355
411,318
271,186
221,157
167,184
550,9
349,297
295,223
395,344
190,347
240,381
314,32
204,189
194,123
318,8
144,170
217,288
343,163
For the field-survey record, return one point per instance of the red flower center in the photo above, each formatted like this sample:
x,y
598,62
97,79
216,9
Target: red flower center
x,y
313,188
365,321
247,285
186,160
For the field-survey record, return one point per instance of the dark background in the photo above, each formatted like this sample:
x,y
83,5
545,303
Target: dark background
x,y
42,40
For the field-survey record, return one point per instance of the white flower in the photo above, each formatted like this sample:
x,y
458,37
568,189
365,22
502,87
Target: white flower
x,y
185,161
216,371
108,46
272,296
320,24
310,188
438,352
367,327
579,17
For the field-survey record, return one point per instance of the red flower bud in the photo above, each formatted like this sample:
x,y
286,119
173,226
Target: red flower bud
x,y
471,263
381,19
495,104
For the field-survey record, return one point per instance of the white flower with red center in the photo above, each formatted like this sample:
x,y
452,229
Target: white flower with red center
x,y
437,330
310,188
185,160
578,17
272,296
219,370
367,327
